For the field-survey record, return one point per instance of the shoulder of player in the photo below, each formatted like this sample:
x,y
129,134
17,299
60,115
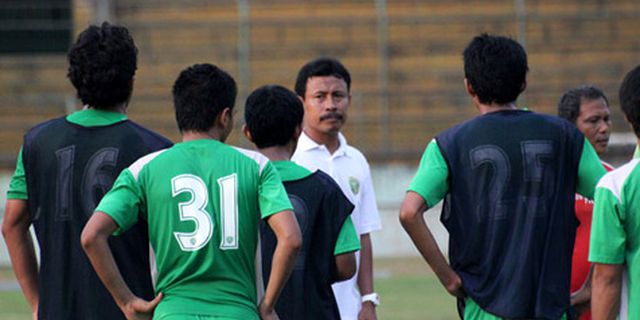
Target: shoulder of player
x,y
148,135
137,166
615,180
51,124
254,156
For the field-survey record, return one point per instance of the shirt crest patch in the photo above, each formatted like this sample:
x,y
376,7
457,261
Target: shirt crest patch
x,y
354,184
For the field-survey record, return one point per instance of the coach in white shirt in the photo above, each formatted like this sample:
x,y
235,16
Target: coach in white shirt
x,y
324,87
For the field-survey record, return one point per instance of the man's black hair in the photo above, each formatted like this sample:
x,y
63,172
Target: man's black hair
x,y
272,113
569,105
496,68
321,67
630,99
200,94
102,63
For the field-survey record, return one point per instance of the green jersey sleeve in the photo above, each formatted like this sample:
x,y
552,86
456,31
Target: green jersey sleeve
x,y
590,170
123,202
272,196
608,236
430,181
348,239
18,184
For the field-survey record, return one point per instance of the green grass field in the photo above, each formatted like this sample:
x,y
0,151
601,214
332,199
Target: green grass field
x,y
407,287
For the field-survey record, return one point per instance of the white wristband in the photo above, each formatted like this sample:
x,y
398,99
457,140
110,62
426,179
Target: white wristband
x,y
371,297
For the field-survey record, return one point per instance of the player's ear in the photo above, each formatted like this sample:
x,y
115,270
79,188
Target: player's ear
x,y
523,86
297,132
469,88
247,133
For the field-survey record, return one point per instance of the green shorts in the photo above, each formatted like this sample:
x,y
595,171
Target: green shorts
x,y
190,317
472,311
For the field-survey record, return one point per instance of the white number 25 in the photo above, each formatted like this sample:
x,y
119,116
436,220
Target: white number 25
x,y
195,210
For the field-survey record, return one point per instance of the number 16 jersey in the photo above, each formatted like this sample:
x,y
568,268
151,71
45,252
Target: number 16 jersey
x,y
202,200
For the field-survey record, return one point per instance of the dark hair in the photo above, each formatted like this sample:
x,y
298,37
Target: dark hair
x,y
200,93
102,63
321,67
630,98
569,105
272,114
496,68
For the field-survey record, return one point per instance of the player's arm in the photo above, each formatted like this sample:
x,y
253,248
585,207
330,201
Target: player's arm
x,y
590,170
15,229
117,212
347,244
95,243
277,211
607,248
581,299
287,232
412,220
607,282
429,187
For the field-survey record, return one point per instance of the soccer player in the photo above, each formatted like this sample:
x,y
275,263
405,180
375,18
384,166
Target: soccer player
x,y
202,200
615,233
324,86
509,177
588,109
64,168
273,117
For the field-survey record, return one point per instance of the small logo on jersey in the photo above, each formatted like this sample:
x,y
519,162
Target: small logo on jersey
x,y
354,184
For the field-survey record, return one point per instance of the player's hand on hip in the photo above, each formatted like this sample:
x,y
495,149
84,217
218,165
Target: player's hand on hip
x,y
140,309
367,312
267,313
454,287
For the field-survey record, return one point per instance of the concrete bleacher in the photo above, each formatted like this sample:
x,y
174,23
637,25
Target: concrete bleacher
x,y
569,43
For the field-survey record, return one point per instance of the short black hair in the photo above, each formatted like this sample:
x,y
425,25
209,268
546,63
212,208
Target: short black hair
x,y
271,114
630,98
321,67
496,68
102,64
569,104
200,93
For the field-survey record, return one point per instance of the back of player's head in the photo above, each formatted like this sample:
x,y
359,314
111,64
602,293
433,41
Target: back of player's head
x,y
102,63
272,114
200,94
496,68
321,67
630,98
569,105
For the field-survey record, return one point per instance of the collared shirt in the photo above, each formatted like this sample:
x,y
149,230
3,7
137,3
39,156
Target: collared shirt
x,y
349,168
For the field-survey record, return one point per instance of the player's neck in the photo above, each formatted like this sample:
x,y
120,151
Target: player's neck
x,y
329,140
198,135
119,108
277,153
493,107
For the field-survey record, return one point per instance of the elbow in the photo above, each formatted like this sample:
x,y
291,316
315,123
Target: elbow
x,y
345,266
292,241
407,217
88,239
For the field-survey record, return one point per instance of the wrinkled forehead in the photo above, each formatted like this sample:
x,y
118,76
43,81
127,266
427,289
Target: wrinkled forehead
x,y
326,84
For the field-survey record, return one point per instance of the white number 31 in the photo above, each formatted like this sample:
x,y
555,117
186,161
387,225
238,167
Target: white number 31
x,y
194,210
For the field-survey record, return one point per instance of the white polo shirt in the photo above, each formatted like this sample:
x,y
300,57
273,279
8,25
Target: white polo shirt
x,y
349,168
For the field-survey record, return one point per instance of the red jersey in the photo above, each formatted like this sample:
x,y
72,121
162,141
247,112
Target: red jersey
x,y
580,265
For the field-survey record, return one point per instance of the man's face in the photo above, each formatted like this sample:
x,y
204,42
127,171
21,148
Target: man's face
x,y
325,104
594,122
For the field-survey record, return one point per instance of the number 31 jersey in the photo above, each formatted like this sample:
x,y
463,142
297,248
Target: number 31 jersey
x,y
203,201
509,178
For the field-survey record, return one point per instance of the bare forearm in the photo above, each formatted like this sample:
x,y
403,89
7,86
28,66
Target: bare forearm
x,y
284,258
25,265
15,229
606,284
365,274
419,233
